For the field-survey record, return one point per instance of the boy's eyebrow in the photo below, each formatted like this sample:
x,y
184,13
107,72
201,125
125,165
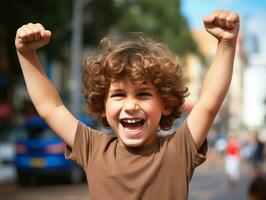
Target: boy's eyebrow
x,y
140,88
145,87
116,90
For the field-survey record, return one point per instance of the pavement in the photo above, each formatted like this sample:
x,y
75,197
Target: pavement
x,y
7,173
210,182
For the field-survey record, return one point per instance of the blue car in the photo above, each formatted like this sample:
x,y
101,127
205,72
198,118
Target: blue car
x,y
41,153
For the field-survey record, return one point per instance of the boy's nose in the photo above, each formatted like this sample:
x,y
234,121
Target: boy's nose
x,y
131,105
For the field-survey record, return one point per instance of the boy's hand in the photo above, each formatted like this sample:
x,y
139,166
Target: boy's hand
x,y
31,37
224,25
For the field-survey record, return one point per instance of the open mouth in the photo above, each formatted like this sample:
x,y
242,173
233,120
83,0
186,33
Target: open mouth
x,y
132,123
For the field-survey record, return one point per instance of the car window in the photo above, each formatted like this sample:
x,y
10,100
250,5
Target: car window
x,y
39,132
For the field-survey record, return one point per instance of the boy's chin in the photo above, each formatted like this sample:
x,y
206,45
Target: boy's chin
x,y
131,142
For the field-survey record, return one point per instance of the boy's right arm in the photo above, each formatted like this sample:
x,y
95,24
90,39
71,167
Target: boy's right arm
x,y
43,94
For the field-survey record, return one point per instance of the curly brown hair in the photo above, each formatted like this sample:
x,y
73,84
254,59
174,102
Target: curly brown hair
x,y
142,61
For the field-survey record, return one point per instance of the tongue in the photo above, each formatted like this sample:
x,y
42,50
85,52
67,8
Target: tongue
x,y
133,130
133,126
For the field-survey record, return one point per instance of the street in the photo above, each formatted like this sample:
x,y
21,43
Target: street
x,y
59,192
208,183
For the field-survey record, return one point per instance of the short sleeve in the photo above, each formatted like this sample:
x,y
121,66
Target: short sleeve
x,y
82,146
186,149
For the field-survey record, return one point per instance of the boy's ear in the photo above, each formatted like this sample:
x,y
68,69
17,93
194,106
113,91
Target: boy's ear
x,y
167,110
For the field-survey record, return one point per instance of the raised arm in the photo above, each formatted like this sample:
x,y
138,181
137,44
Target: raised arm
x,y
43,94
224,26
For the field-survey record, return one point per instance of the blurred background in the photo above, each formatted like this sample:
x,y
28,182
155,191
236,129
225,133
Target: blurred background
x,y
77,27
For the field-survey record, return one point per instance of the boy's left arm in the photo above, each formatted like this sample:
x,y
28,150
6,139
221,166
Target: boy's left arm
x,y
224,26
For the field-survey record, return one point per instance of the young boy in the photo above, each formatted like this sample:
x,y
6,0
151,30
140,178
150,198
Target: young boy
x,y
136,88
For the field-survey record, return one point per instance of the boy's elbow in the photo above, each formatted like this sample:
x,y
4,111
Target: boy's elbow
x,y
45,111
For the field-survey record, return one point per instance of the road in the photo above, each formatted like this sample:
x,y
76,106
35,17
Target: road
x,y
208,183
60,192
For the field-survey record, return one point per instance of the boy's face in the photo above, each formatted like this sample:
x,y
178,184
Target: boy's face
x,y
134,113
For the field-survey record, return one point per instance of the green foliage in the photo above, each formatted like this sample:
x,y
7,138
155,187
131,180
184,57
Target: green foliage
x,y
56,15
161,20
98,17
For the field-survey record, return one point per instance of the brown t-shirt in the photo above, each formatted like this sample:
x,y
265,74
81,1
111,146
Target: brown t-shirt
x,y
160,171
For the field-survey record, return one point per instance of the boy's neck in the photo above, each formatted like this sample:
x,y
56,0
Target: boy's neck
x,y
152,141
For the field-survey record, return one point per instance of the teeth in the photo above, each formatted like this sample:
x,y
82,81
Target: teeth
x,y
131,121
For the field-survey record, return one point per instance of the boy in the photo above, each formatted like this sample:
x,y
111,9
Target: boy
x,y
136,89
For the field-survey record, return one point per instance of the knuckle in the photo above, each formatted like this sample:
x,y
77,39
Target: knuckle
x,y
222,18
20,33
40,26
236,16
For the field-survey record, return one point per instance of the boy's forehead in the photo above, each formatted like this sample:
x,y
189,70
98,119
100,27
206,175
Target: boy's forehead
x,y
125,82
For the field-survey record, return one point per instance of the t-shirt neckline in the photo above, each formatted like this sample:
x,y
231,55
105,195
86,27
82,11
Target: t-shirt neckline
x,y
140,150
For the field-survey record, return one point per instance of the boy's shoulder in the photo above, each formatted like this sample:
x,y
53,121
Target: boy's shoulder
x,y
88,131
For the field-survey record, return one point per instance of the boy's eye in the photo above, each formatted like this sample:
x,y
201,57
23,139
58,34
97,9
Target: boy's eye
x,y
144,94
118,95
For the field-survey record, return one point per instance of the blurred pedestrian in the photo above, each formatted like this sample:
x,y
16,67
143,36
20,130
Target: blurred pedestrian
x,y
257,156
232,158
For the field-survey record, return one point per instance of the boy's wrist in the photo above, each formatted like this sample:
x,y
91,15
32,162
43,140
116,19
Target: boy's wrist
x,y
227,43
27,54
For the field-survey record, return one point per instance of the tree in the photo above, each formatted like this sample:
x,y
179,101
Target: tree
x,y
99,15
55,15
159,19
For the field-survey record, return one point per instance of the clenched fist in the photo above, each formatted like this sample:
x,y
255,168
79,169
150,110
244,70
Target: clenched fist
x,y
224,25
31,37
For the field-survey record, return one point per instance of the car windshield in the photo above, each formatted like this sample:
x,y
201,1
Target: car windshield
x,y
39,132
36,128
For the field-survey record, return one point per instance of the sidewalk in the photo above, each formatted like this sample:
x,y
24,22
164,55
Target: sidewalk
x,y
7,173
210,183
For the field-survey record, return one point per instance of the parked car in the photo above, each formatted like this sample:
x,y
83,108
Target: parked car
x,y
41,153
7,150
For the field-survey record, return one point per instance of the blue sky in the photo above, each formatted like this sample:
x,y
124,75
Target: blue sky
x,y
195,10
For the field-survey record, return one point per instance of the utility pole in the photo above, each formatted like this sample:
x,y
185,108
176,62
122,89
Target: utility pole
x,y
76,52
